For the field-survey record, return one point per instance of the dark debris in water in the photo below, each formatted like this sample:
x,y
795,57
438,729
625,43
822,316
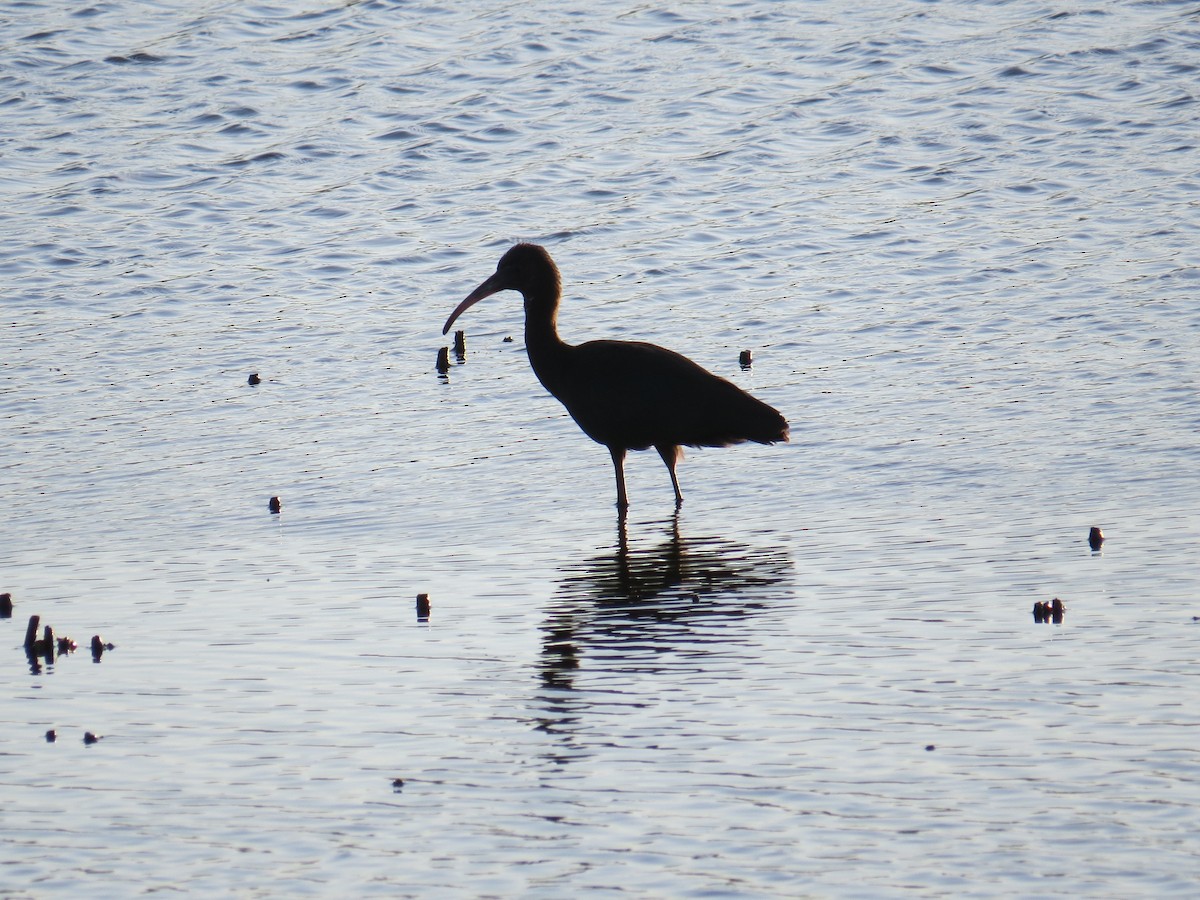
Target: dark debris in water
x,y
99,647
43,647
1049,612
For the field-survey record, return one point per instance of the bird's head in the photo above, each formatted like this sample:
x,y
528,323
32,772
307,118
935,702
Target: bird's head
x,y
526,268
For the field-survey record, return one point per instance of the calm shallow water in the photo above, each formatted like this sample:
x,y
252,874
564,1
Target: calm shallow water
x,y
960,239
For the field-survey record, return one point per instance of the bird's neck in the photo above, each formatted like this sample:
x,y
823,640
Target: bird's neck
x,y
546,349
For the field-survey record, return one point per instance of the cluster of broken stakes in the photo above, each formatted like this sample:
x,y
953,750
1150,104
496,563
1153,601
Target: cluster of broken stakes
x,y
460,352
1049,612
48,647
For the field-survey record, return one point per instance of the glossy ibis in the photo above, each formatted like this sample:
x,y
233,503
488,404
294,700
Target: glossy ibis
x,y
626,395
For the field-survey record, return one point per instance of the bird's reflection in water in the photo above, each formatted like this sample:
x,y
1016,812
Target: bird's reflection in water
x,y
638,608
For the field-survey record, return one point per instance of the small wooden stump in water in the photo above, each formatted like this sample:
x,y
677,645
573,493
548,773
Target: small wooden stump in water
x,y
98,648
443,361
89,738
31,632
274,505
460,345
422,607
746,359
51,736
1056,611
6,606
1095,538
253,379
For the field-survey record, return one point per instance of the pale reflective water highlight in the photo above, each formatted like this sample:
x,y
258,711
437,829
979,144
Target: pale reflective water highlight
x,y
960,240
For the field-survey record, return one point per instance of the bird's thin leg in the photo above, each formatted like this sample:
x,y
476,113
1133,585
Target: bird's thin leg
x,y
670,455
618,458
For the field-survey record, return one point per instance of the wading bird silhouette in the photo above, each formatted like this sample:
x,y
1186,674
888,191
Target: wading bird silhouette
x,y
626,395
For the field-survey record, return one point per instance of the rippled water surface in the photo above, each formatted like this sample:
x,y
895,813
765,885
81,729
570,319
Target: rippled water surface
x,y
961,241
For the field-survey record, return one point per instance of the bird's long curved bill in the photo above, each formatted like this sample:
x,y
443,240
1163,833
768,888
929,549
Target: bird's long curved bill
x,y
489,287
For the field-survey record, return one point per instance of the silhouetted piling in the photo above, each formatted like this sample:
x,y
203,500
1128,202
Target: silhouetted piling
x,y
1056,611
745,359
89,738
51,736
1095,538
253,379
6,606
460,345
443,361
422,607
98,648
274,505
31,631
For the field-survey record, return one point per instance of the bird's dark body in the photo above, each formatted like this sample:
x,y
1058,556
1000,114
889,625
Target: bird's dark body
x,y
635,396
627,395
